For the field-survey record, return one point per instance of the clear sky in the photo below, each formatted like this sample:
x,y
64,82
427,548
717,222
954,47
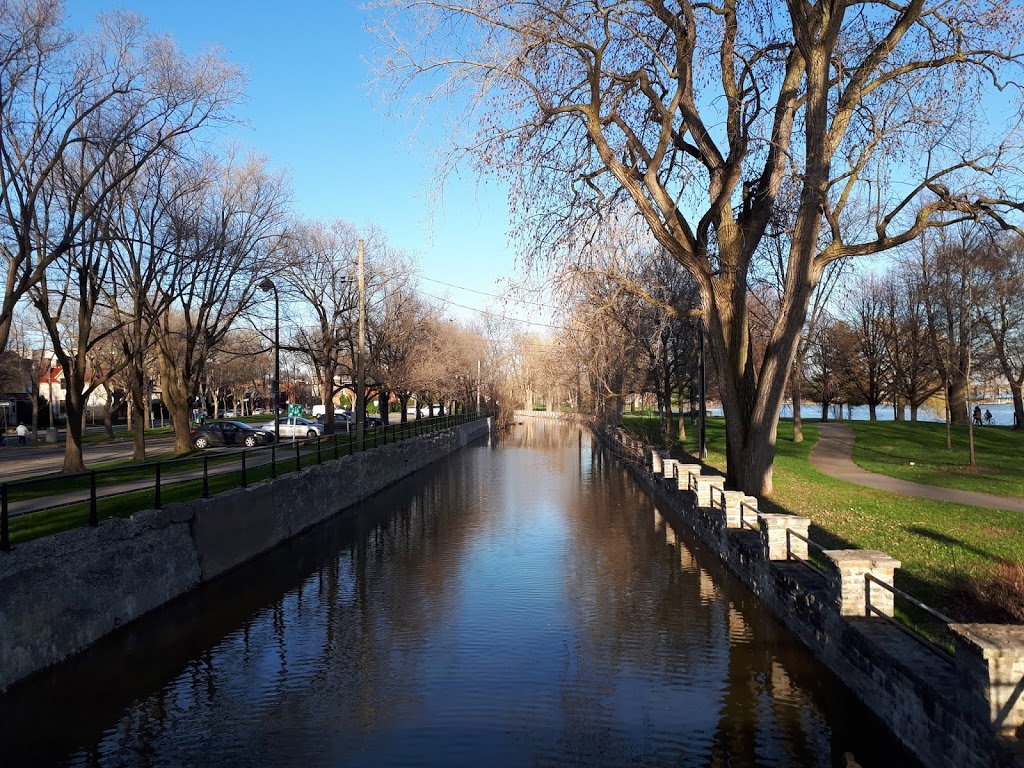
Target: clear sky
x,y
310,110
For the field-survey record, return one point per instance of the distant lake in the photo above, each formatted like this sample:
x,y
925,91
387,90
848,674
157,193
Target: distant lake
x,y
1002,415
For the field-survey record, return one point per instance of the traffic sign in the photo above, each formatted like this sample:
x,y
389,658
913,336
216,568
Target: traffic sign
x,y
294,409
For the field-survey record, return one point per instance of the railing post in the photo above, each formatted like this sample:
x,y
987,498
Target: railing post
x,y
990,669
318,450
775,538
206,476
298,457
350,447
157,503
245,483
335,438
93,515
848,581
5,531
273,460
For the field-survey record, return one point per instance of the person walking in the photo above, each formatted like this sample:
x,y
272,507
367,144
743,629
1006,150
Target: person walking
x,y
22,433
977,415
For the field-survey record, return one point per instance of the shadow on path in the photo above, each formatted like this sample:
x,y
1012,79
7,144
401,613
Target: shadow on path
x,y
832,455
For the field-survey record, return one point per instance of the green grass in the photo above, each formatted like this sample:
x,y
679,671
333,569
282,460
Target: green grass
x,y
936,542
889,448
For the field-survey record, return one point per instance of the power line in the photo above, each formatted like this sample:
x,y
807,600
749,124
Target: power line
x,y
489,295
492,314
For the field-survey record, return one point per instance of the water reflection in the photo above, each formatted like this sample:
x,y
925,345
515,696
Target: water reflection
x,y
522,605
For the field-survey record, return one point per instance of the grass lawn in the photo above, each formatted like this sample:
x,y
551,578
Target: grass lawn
x,y
889,447
937,542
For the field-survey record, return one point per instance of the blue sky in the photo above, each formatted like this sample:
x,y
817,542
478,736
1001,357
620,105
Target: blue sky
x,y
310,110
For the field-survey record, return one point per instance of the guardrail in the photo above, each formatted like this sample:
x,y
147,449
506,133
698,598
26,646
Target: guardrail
x,y
88,488
870,580
744,523
790,535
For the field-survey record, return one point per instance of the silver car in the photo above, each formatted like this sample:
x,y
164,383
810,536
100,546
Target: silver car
x,y
296,426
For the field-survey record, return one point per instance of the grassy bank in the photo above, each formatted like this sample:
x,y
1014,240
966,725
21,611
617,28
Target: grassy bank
x,y
917,452
940,544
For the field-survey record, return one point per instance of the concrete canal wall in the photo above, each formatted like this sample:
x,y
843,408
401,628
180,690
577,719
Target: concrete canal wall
x,y
61,593
964,710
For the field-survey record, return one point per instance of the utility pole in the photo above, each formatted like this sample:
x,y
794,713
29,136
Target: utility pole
x,y
360,354
478,369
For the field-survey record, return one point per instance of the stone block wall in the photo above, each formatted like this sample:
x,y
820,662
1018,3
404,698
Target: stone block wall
x,y
62,593
966,711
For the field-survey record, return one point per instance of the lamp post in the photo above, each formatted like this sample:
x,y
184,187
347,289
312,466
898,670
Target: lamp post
x,y
268,285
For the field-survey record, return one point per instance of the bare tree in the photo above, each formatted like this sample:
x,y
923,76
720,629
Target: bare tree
x,y
696,114
908,344
223,242
868,364
1001,311
75,103
320,280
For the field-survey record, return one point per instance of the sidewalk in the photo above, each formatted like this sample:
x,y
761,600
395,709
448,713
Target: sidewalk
x,y
832,455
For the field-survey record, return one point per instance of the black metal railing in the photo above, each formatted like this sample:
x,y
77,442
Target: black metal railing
x,y
21,499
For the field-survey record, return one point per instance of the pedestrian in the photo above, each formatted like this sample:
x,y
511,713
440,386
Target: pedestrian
x,y
988,417
22,433
977,415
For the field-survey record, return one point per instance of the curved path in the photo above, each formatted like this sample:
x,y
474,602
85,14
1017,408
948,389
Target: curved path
x,y
832,455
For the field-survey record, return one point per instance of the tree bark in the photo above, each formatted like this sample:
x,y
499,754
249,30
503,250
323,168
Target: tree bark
x,y
796,395
176,398
1018,406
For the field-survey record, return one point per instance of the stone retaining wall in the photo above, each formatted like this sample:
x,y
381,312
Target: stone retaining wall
x,y
964,711
61,593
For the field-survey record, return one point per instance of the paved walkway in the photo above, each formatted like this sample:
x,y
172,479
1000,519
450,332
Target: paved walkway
x,y
832,456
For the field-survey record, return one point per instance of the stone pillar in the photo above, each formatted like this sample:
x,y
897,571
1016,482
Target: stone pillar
x,y
990,672
657,456
773,535
704,485
732,508
668,468
683,472
847,580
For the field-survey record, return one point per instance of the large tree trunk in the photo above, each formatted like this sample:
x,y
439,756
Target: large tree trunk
x,y
137,388
74,406
958,412
382,406
176,399
872,411
796,394
1018,406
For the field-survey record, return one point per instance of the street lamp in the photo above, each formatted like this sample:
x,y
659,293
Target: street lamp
x,y
268,285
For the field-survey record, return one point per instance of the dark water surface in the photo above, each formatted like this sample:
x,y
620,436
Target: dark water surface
x,y
519,604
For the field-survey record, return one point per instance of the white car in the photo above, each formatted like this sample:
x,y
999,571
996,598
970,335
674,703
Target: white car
x,y
296,426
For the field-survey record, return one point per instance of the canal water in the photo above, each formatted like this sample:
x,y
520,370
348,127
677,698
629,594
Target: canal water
x,y
521,603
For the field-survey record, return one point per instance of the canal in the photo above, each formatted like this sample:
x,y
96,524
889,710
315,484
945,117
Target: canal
x,y
520,603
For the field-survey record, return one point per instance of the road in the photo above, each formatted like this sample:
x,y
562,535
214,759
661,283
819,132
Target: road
x,y
21,461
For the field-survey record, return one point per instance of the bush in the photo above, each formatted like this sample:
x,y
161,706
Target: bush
x,y
994,596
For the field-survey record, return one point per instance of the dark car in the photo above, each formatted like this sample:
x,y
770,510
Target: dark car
x,y
230,433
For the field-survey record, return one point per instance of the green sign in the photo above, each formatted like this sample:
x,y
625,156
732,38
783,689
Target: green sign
x,y
294,409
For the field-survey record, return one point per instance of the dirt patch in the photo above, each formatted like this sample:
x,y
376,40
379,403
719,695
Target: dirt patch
x,y
969,470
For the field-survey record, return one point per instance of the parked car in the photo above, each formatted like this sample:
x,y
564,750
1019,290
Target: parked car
x,y
296,426
231,433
